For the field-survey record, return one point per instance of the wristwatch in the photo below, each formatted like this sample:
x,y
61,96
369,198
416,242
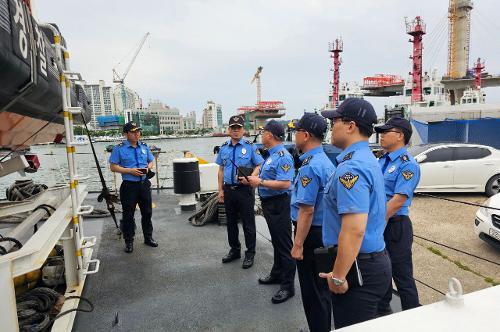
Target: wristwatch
x,y
337,281
261,183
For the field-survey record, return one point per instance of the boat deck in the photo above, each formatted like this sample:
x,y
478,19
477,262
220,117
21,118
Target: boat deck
x,y
181,285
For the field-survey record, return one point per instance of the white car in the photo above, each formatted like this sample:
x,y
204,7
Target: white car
x,y
458,168
487,223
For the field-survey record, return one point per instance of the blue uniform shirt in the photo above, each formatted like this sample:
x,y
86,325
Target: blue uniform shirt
x,y
401,176
125,155
278,166
310,182
356,187
244,154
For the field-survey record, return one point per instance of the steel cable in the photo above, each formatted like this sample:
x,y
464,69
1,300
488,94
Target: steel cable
x,y
457,201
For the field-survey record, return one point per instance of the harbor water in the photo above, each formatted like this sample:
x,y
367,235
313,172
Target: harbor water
x,y
54,167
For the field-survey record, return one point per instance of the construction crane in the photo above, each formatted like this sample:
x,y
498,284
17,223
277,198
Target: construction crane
x,y
120,79
256,79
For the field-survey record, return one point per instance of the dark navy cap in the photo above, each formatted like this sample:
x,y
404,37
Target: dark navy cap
x,y
236,120
357,109
275,128
398,123
313,123
131,126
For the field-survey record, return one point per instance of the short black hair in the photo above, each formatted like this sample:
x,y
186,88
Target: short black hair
x,y
366,131
407,137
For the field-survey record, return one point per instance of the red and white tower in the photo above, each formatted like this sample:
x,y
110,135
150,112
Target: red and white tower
x,y
416,29
335,48
478,69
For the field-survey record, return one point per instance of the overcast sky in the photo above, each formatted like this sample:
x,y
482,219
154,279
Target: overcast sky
x,y
209,50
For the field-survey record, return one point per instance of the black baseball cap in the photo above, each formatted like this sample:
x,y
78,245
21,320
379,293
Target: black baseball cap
x,y
313,123
398,123
236,120
357,109
131,126
275,128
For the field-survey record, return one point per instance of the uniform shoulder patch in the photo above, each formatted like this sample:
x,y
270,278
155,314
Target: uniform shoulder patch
x,y
405,158
257,151
307,160
121,144
285,167
143,143
248,142
281,153
348,156
225,143
407,175
348,180
305,180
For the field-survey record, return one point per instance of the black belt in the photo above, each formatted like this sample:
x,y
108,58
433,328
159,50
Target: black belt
x,y
234,186
363,256
294,222
140,181
272,198
397,218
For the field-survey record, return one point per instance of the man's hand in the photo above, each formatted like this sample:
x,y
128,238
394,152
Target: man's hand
x,y
333,288
253,180
242,180
298,252
135,171
221,196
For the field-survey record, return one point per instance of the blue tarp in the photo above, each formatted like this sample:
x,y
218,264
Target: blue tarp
x,y
482,131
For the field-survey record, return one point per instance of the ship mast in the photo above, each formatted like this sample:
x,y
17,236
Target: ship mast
x,y
335,48
416,29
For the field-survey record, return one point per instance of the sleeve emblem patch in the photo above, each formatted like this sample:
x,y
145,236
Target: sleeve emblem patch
x,y
306,161
405,158
407,175
348,156
305,181
348,180
285,167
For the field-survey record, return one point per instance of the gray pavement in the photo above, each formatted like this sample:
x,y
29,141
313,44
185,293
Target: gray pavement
x,y
182,285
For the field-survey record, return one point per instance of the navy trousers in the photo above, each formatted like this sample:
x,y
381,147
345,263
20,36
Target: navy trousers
x,y
277,213
398,237
240,201
315,293
132,194
360,303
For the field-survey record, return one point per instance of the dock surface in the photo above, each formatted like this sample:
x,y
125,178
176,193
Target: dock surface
x,y
182,285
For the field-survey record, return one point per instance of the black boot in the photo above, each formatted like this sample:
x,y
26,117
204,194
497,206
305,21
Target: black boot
x,y
231,256
149,241
129,247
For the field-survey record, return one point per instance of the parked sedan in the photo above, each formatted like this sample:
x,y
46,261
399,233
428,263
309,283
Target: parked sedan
x,y
487,223
458,168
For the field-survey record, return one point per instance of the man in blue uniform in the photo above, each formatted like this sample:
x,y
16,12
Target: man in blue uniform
x,y
274,181
307,217
401,175
236,156
354,218
132,158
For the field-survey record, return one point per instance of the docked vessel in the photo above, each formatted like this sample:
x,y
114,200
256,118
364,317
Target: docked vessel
x,y
30,87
